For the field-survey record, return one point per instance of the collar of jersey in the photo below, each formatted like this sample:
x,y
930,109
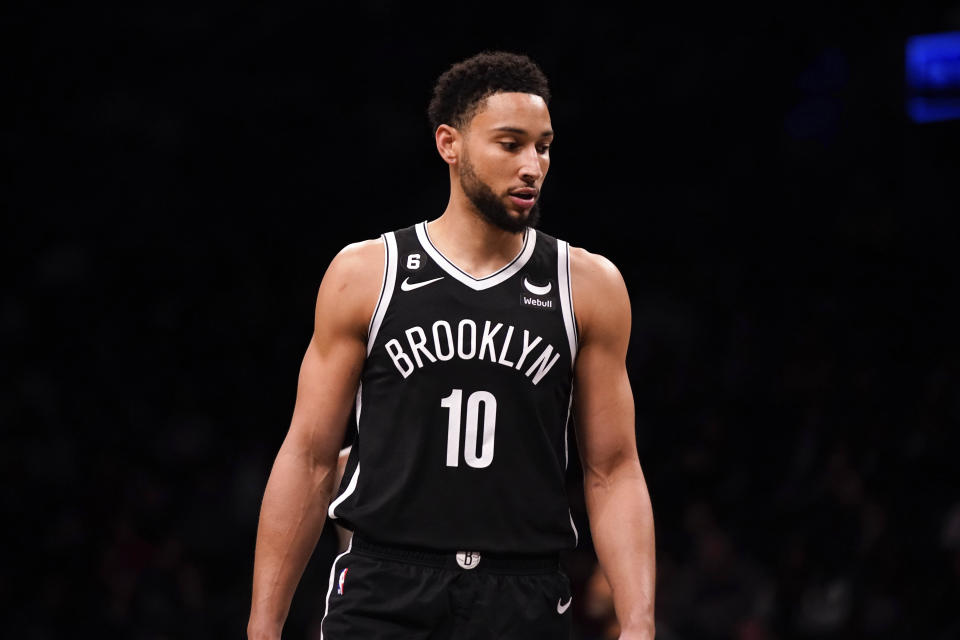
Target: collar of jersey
x,y
478,284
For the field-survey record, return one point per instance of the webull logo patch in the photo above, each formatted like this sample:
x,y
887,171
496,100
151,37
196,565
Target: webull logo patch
x,y
536,302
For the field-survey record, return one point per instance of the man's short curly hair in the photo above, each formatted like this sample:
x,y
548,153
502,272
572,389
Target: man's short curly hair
x,y
462,88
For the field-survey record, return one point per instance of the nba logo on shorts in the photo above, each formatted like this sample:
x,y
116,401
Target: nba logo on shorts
x,y
343,576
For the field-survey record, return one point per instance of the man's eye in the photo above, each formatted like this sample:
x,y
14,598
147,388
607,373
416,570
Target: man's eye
x,y
509,146
543,148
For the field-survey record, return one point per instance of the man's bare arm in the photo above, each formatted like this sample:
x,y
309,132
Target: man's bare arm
x,y
301,481
618,504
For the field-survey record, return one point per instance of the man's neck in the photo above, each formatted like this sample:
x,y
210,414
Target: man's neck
x,y
477,247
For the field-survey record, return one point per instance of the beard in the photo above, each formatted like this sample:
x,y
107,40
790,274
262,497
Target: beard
x,y
490,207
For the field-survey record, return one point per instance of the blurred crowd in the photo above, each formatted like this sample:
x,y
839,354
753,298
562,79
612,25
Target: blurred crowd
x,y
818,500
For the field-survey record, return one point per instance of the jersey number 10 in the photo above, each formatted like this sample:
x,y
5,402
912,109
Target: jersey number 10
x,y
454,402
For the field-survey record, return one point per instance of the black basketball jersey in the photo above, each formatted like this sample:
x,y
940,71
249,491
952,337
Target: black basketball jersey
x,y
464,403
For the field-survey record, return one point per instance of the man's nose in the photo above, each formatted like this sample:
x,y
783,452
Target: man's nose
x,y
530,170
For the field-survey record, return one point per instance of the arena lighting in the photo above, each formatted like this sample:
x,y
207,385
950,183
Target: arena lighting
x,y
933,76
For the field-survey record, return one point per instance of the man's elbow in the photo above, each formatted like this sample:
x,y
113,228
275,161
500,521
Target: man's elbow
x,y
307,460
601,472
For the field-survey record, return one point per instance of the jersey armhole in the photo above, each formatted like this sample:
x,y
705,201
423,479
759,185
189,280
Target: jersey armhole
x,y
386,288
386,293
566,297
570,324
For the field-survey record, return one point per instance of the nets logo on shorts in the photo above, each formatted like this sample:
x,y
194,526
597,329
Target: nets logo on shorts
x,y
468,559
340,580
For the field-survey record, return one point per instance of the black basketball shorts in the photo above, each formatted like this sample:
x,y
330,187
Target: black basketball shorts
x,y
385,592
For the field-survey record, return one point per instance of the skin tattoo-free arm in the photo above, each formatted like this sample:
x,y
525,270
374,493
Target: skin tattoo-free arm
x,y
301,482
618,504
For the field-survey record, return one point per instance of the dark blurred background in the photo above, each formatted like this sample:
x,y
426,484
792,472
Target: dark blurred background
x,y
177,180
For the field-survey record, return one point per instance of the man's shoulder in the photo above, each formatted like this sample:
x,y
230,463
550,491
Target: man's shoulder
x,y
600,296
358,267
362,255
366,249
351,285
363,247
592,268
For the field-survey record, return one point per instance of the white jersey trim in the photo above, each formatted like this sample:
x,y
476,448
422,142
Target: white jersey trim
x,y
386,289
570,323
566,432
566,297
478,284
356,472
386,294
333,573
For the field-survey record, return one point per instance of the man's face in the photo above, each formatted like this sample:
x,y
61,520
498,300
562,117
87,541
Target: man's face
x,y
505,158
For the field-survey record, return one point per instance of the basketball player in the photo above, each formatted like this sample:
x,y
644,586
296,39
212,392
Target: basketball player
x,y
463,343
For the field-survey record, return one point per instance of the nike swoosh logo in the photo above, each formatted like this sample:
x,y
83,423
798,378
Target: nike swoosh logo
x,y
406,285
561,608
537,291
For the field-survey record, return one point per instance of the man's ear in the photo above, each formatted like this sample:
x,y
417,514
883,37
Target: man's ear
x,y
448,141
